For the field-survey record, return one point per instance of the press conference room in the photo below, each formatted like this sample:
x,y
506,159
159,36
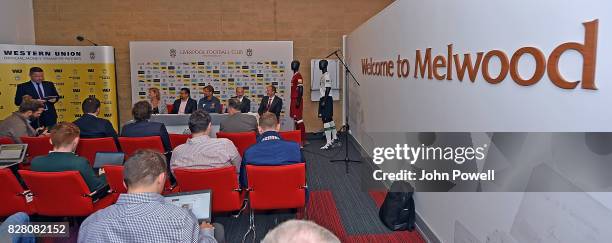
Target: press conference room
x,y
305,121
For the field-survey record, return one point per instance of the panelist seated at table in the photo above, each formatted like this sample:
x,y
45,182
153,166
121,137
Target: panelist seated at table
x,y
209,102
159,107
245,103
185,104
271,102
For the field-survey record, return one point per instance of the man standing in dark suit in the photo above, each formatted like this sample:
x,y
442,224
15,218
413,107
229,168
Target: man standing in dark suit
x,y
245,103
43,91
271,103
185,104
91,125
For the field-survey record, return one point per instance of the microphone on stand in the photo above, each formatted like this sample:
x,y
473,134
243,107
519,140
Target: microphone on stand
x,y
81,38
333,53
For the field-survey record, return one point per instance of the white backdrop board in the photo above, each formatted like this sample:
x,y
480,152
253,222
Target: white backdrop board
x,y
172,65
333,68
390,104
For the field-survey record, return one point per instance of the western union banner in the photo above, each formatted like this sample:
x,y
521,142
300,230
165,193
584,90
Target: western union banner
x,y
78,72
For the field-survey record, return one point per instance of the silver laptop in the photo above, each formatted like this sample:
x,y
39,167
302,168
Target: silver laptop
x,y
199,202
11,154
108,158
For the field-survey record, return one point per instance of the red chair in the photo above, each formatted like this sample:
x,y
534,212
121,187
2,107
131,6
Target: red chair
x,y
37,146
62,194
6,140
275,187
223,182
129,145
295,135
178,139
13,195
170,107
242,140
88,147
114,177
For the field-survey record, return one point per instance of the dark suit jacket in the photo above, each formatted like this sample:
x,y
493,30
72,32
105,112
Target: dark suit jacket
x,y
49,117
245,105
94,127
192,105
147,129
276,107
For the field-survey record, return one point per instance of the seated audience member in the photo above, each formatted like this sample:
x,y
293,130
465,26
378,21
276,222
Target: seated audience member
x,y
142,214
91,125
245,103
185,104
65,138
209,102
142,127
157,105
16,219
18,124
236,121
270,148
201,151
300,231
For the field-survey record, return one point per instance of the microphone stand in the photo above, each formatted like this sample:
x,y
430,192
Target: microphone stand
x,y
346,126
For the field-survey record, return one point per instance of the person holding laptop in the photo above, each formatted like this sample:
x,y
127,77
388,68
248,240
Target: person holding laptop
x,y
143,210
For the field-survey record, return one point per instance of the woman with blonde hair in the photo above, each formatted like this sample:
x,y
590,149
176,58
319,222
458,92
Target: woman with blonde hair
x,y
159,107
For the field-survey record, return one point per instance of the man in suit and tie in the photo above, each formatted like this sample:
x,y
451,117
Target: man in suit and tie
x,y
271,103
245,103
43,91
91,125
185,104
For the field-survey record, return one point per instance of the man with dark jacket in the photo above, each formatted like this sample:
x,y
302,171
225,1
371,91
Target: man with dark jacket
x,y
185,104
143,127
245,103
271,102
43,91
91,125
270,148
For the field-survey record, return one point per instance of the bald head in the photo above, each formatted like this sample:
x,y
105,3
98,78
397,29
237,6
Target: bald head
x,y
300,231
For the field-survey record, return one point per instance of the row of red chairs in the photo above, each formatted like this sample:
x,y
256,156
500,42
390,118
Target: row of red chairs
x,y
88,147
66,194
49,194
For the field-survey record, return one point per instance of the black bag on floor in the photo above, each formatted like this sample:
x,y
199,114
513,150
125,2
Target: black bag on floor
x,y
397,211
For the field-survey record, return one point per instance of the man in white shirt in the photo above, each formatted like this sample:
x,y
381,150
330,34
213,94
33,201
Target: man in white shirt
x,y
185,104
